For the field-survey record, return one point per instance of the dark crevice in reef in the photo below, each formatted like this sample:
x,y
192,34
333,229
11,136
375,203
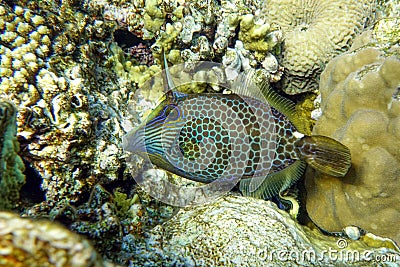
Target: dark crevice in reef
x,y
125,38
31,192
122,184
10,3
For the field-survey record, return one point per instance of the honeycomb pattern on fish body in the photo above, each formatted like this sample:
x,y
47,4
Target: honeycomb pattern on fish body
x,y
285,152
205,141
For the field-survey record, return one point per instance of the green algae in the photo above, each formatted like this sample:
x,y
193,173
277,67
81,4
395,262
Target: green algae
x,y
124,204
12,166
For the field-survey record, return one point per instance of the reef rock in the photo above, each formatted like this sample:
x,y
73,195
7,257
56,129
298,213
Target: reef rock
x,y
314,32
360,93
239,231
25,242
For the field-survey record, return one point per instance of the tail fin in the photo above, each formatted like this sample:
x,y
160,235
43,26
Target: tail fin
x,y
324,154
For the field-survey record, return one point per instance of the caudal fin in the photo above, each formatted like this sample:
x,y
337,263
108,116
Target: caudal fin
x,y
324,154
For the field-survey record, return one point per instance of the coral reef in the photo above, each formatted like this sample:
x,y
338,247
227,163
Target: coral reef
x,y
191,31
238,231
97,219
314,32
385,28
361,108
78,74
258,35
25,242
247,39
112,220
12,167
228,18
65,94
127,70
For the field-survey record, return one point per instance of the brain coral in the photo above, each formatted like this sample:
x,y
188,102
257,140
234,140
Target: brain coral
x,y
361,108
315,31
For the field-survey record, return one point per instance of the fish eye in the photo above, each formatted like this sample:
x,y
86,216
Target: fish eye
x,y
171,112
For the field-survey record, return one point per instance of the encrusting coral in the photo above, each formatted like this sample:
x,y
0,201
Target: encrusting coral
x,y
361,108
314,32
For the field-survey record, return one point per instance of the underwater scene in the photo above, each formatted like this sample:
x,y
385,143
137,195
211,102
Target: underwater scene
x,y
199,133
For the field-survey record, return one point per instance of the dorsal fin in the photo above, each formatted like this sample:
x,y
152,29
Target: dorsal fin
x,y
280,103
168,82
245,85
169,86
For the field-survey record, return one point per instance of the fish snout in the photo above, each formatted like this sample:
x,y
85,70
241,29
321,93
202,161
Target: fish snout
x,y
135,141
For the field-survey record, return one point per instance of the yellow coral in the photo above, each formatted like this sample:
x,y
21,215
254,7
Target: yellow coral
x,y
129,71
256,35
153,18
304,108
360,106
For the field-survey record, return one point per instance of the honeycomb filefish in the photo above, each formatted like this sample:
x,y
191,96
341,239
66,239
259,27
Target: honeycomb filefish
x,y
175,133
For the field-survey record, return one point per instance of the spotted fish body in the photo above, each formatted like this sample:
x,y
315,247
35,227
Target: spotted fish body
x,y
194,131
203,137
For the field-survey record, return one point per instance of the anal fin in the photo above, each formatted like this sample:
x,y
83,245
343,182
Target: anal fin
x,y
274,183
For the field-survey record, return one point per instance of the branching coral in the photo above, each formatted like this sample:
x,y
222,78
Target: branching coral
x,y
258,36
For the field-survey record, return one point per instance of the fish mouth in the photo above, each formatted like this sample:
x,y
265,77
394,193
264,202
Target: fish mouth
x,y
135,141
